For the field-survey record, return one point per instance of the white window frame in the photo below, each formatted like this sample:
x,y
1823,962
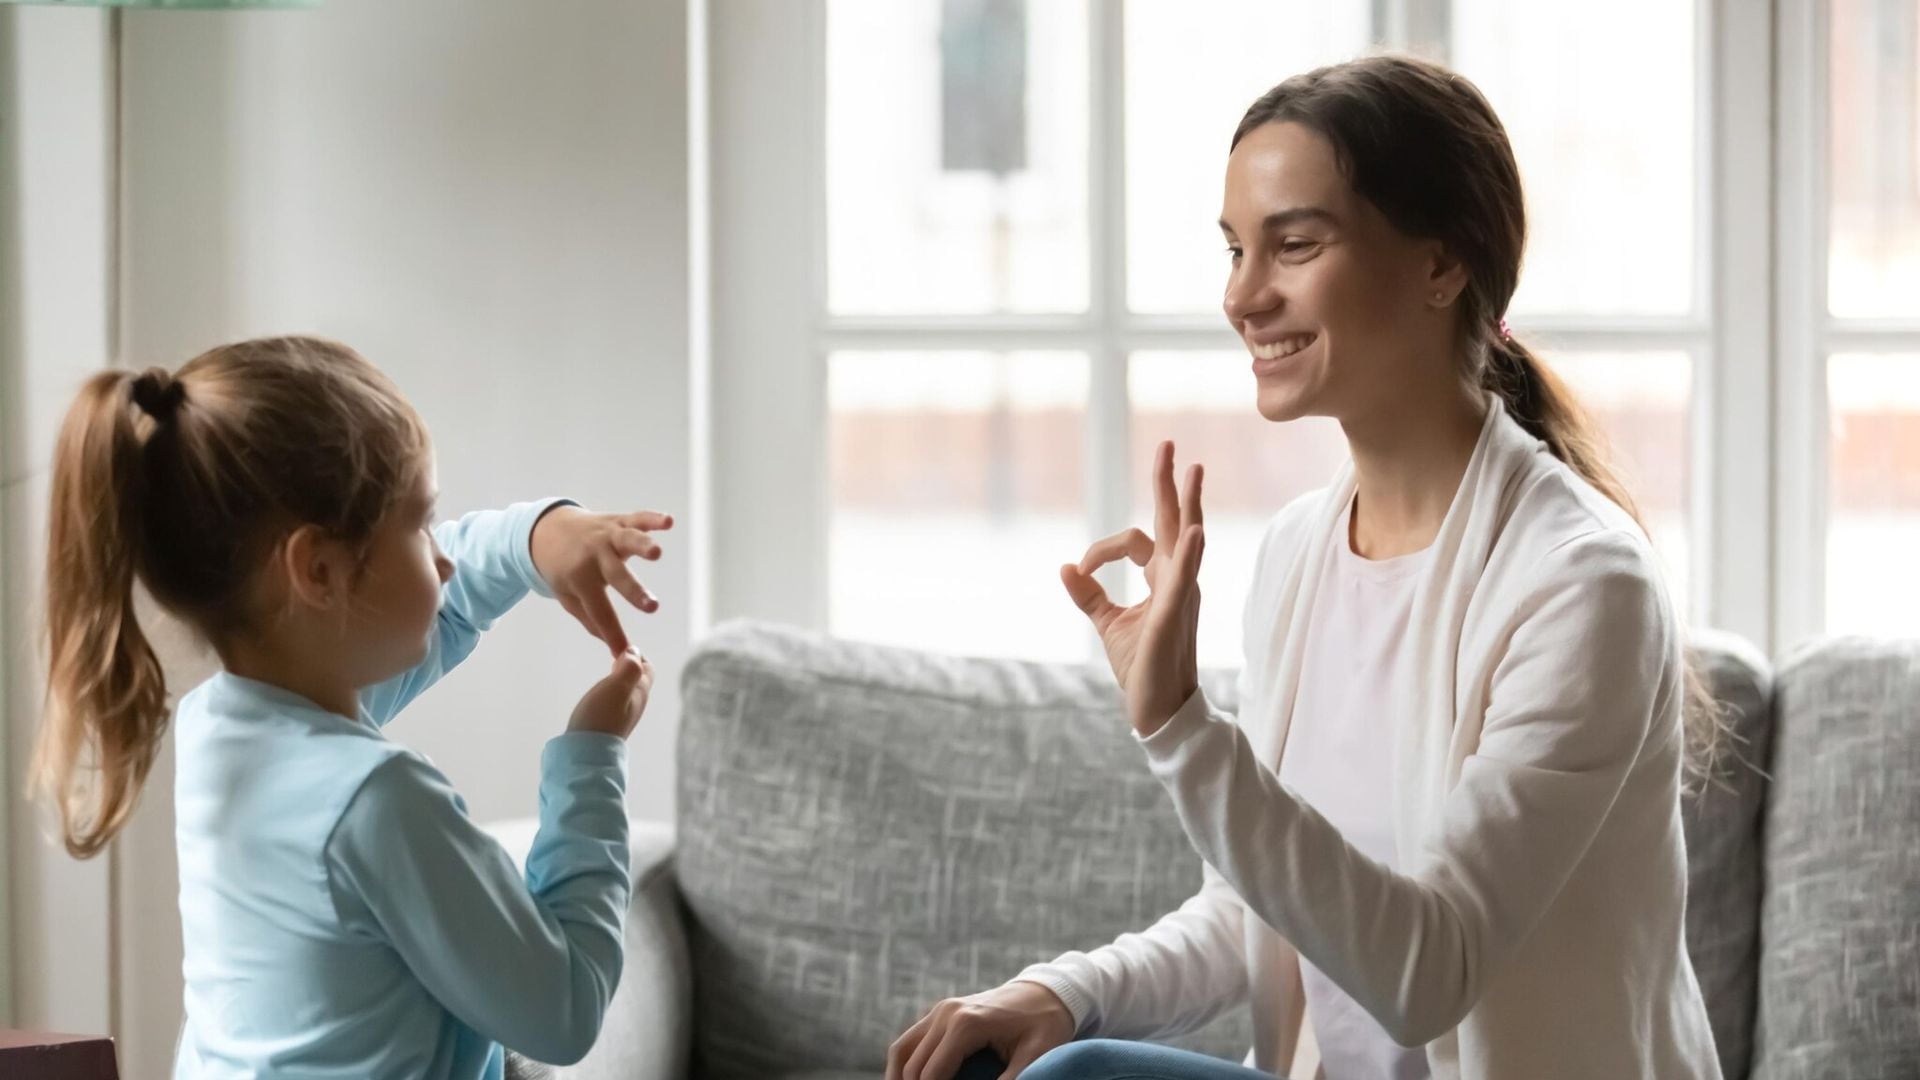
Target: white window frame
x,y
1806,333
1757,511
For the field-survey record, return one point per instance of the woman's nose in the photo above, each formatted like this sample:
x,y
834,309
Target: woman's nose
x,y
1247,295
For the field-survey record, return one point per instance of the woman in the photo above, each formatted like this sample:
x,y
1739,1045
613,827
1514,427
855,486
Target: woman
x,y
1446,826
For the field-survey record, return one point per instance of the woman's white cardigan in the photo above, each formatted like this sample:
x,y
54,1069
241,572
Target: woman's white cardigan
x,y
1535,928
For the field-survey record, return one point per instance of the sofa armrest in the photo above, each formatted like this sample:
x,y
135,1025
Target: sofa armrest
x,y
649,1024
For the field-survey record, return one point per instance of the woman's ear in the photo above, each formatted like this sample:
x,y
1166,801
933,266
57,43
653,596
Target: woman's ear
x,y
317,568
1446,275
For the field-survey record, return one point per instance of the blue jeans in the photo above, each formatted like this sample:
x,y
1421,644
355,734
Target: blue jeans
x,y
1112,1059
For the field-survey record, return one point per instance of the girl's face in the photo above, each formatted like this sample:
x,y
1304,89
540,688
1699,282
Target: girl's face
x,y
1337,308
397,598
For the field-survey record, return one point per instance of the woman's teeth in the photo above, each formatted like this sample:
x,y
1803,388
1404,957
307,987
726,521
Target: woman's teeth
x,y
1286,346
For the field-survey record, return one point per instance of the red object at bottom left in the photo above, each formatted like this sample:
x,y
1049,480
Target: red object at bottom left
x,y
38,1055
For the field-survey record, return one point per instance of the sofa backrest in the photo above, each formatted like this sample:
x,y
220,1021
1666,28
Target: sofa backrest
x,y
1723,818
864,831
1839,982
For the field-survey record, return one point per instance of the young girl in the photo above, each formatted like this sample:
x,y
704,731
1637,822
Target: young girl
x,y
342,916
1445,825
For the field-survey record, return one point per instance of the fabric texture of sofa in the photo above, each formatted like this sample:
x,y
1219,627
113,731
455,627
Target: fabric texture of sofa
x,y
864,830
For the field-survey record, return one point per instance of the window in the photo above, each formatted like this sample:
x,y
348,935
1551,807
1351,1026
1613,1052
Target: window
x,y
957,466
1179,119
1871,343
1005,211
956,156
1613,275
978,467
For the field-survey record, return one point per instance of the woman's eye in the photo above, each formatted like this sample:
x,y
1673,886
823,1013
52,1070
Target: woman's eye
x,y
1296,247
1233,252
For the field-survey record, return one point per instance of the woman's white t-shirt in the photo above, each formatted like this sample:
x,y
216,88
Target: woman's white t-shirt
x,y
1339,759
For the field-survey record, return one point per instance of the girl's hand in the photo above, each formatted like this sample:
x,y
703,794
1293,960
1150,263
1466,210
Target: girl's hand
x,y
580,554
613,705
1151,645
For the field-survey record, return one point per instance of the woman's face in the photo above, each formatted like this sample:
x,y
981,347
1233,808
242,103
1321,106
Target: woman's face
x,y
1337,308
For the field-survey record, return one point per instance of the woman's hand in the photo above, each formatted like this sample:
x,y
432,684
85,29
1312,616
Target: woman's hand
x,y
580,555
1018,1021
1151,645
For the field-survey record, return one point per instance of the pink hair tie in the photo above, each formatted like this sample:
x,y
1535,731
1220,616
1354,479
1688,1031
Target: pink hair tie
x,y
1506,332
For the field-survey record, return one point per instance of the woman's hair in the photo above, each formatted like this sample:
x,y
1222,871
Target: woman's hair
x,y
185,482
1423,145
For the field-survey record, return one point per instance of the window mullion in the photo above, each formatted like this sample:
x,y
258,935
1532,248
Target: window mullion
x,y
1799,451
768,534
1109,413
1733,504
1862,335
1424,27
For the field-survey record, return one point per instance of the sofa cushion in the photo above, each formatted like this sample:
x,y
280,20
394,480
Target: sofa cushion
x,y
1722,819
1840,920
866,830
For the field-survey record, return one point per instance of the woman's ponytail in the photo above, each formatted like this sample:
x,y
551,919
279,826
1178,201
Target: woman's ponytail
x,y
1547,409
1543,404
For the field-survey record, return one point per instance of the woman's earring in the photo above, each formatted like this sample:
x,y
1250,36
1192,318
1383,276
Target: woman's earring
x,y
1440,298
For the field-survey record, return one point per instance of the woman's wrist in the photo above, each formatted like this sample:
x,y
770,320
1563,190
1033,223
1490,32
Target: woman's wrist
x,y
1153,715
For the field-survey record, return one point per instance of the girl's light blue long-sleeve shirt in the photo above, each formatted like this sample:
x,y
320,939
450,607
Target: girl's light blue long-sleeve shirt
x,y
342,915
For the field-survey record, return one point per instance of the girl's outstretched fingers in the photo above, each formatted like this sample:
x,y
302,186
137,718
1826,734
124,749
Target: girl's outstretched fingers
x,y
624,583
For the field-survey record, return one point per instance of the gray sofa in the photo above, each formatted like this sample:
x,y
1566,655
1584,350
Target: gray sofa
x,y
864,830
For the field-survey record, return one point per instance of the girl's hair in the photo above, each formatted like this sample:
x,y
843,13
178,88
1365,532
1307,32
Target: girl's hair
x,y
1423,145
185,482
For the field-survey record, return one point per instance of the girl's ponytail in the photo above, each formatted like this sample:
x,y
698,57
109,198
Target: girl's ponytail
x,y
106,704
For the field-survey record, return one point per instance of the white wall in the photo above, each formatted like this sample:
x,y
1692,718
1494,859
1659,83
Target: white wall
x,y
55,149
488,199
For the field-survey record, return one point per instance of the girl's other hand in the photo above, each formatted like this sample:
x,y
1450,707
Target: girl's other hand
x,y
581,554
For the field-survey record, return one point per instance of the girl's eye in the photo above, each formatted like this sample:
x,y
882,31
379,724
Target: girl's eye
x,y
1296,247
1233,252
